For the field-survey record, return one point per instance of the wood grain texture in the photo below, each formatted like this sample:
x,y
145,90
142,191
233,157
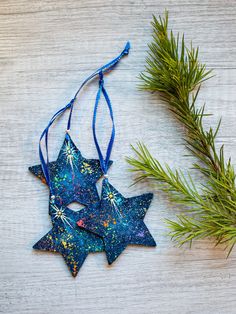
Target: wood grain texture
x,y
46,48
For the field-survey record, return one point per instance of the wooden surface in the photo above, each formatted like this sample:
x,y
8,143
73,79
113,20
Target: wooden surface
x,y
46,48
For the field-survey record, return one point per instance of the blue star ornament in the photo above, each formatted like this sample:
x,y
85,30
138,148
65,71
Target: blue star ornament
x,y
66,238
72,177
118,220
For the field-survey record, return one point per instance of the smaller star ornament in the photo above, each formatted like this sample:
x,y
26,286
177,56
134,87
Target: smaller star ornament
x,y
118,220
72,177
66,238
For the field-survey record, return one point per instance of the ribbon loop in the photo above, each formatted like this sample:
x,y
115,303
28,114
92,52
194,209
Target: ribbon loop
x,y
104,162
104,69
107,67
44,135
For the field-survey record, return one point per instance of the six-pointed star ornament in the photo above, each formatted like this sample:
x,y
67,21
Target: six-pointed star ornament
x,y
72,177
66,238
118,220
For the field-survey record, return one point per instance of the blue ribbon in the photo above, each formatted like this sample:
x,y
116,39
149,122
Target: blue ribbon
x,y
104,162
104,69
45,164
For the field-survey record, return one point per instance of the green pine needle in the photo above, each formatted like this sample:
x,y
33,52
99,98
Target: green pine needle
x,y
174,70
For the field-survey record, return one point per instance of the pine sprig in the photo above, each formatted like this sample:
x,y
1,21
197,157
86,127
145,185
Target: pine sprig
x,y
207,215
174,70
180,189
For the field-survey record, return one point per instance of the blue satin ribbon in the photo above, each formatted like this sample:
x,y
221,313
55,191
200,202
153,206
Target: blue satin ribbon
x,y
104,162
104,69
45,164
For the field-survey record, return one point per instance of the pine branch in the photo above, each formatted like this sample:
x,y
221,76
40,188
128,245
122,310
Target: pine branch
x,y
174,70
207,215
175,184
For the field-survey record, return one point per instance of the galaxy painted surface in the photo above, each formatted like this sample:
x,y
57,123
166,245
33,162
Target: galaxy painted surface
x,y
66,238
118,220
73,178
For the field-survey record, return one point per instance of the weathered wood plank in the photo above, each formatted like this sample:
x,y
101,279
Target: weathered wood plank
x,y
46,49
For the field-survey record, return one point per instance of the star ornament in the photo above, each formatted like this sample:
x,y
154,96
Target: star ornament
x,y
118,220
66,238
72,177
